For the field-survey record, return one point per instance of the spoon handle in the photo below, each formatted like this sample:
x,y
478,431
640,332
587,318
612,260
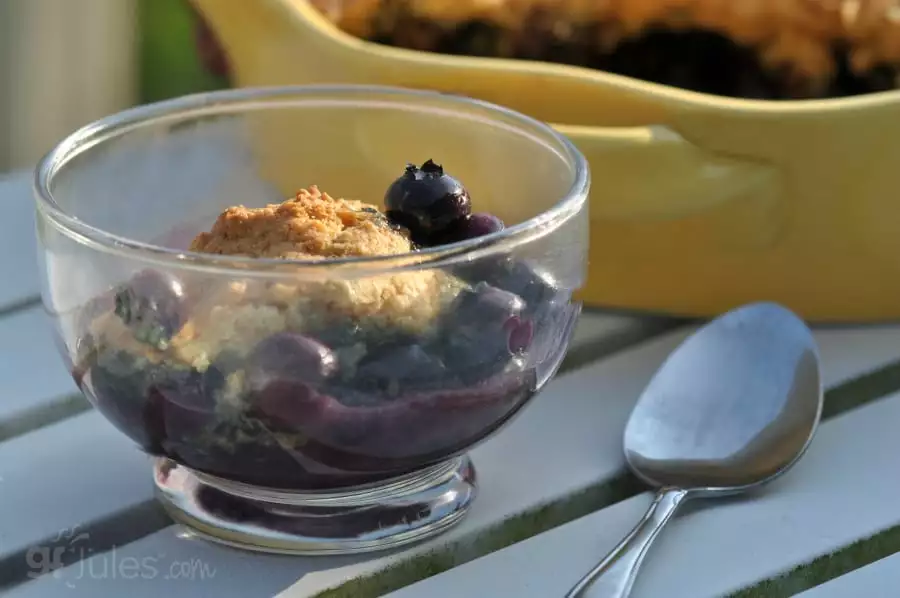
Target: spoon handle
x,y
617,571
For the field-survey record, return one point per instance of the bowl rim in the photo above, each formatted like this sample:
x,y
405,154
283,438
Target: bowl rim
x,y
223,102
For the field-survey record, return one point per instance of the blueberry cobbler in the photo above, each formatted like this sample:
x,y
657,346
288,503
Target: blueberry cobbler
x,y
323,383
765,49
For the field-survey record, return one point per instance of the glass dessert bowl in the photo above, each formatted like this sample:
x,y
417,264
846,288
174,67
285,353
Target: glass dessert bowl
x,y
284,297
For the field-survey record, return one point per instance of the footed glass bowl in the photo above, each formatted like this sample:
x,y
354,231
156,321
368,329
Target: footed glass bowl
x,y
309,406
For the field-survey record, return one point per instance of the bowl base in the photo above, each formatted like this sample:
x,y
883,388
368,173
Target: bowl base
x,y
363,519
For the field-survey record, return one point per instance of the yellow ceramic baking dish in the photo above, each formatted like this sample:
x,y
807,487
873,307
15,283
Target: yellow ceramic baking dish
x,y
699,202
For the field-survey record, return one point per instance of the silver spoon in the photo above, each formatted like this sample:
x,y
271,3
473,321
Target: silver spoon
x,y
734,407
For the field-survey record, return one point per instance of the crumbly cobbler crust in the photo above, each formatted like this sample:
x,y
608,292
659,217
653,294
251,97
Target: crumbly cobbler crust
x,y
311,226
796,37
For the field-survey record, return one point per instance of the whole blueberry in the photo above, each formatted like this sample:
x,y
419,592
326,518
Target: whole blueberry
x,y
291,357
395,370
152,305
482,331
486,306
426,201
535,286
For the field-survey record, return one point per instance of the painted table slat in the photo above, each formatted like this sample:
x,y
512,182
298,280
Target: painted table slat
x,y
593,327
838,494
578,422
34,378
107,463
18,268
880,579
65,475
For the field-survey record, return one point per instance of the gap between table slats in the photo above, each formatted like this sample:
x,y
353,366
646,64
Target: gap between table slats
x,y
880,579
582,473
82,473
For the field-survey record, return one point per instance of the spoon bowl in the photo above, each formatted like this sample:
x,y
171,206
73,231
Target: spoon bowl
x,y
734,407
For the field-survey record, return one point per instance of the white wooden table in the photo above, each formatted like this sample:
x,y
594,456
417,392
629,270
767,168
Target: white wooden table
x,y
79,518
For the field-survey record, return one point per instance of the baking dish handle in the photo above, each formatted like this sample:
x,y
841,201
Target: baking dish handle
x,y
642,173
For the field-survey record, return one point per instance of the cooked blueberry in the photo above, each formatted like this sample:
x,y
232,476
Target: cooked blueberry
x,y
352,396
190,389
477,331
471,227
534,285
118,383
185,423
398,369
417,425
473,360
486,305
244,451
426,201
286,405
479,225
152,305
521,333
189,409
292,357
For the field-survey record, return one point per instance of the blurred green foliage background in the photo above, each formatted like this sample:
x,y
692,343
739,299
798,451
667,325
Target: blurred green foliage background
x,y
167,56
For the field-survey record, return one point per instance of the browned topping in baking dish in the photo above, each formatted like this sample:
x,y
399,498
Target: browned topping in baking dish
x,y
770,49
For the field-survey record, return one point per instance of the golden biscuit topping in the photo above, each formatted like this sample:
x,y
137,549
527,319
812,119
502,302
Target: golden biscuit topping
x,y
313,225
